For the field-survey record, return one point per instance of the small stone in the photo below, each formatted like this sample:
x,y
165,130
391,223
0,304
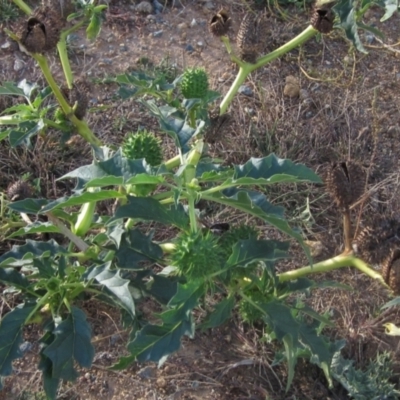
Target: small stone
x,y
246,90
292,87
193,23
182,26
18,65
144,7
200,44
189,48
158,33
122,47
151,18
249,111
6,45
25,347
147,372
157,6
369,37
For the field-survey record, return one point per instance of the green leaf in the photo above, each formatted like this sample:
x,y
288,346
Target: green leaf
x,y
36,227
136,248
18,254
371,29
346,11
94,27
392,303
11,327
11,277
222,312
118,286
247,251
117,166
28,206
162,289
273,169
71,344
149,209
156,343
81,198
9,88
25,132
391,7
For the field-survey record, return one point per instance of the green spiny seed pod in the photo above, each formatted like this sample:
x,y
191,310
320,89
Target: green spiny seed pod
x,y
233,235
247,310
194,83
19,190
143,144
197,255
219,23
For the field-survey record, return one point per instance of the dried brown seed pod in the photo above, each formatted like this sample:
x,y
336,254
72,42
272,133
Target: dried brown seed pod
x,y
375,242
345,182
322,19
252,36
33,36
219,23
79,95
394,274
219,124
19,190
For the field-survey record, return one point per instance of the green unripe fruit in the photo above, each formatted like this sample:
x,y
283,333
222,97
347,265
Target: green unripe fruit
x,y
194,83
247,311
233,235
143,144
197,255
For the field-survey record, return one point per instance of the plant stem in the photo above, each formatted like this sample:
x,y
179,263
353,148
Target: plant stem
x,y
63,54
81,126
246,69
79,243
330,265
23,6
192,213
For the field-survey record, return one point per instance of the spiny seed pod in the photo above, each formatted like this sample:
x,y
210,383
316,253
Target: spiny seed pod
x,y
234,234
78,97
394,274
322,19
219,23
345,182
143,144
41,32
197,255
194,83
247,311
19,190
375,242
252,36
219,124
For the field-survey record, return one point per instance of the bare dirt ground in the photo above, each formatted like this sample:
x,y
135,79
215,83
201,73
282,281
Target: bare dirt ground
x,y
348,108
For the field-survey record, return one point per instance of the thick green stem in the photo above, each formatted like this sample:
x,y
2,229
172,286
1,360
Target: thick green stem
x,y
81,126
173,162
192,214
23,6
246,69
330,265
63,54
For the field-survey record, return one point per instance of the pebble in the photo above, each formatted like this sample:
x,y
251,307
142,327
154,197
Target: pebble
x,y
25,347
193,23
189,48
369,37
144,7
182,26
18,65
158,33
122,47
6,45
157,6
200,44
292,87
147,372
246,90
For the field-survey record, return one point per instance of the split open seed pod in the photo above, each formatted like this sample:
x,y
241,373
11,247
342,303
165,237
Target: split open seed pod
x,y
41,32
219,125
19,190
322,18
375,242
390,269
345,182
252,36
219,23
